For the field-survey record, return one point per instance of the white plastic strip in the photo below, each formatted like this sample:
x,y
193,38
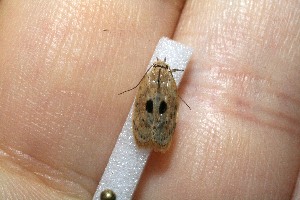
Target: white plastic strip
x,y
127,161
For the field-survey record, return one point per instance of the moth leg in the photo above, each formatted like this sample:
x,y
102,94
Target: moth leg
x,y
177,70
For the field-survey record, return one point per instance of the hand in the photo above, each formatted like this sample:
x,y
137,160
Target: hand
x,y
62,64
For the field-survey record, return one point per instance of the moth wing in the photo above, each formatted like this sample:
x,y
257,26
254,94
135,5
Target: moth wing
x,y
141,119
166,123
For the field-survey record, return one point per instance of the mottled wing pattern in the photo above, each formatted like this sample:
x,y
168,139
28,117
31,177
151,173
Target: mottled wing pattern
x,y
141,119
155,110
164,119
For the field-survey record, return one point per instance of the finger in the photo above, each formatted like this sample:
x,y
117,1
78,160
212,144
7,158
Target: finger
x,y
62,64
241,138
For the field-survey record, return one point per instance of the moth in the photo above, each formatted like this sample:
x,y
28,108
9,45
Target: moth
x,y
155,107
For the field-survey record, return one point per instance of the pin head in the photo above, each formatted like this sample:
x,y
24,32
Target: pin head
x,y
108,195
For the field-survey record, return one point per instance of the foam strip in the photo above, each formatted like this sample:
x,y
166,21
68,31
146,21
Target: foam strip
x,y
127,161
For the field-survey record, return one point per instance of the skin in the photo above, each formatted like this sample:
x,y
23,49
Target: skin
x,y
62,64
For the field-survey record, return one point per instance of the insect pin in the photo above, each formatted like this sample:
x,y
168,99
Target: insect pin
x,y
155,107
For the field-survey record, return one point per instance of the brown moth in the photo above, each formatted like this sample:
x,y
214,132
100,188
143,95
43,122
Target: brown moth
x,y
155,108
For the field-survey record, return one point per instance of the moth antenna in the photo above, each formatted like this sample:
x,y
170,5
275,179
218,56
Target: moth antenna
x,y
184,102
138,83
